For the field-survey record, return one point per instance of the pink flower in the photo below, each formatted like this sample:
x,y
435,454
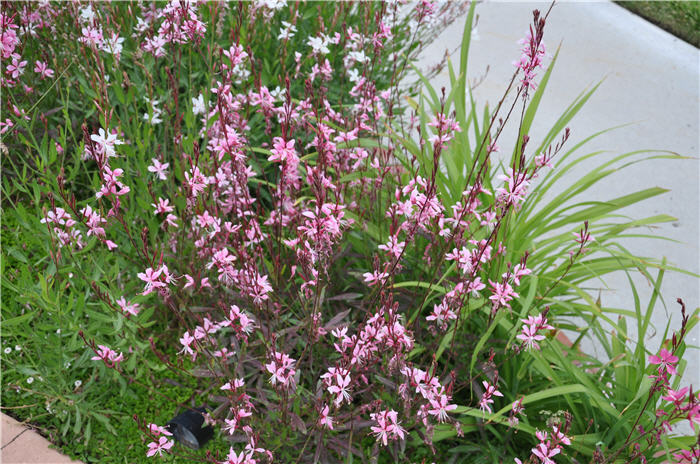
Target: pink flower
x,y
91,36
374,278
324,419
5,125
112,185
442,314
529,334
109,356
475,287
440,407
243,458
393,246
239,321
340,387
544,452
387,426
170,220
260,289
530,337
151,278
43,70
157,430
186,341
237,383
676,396
686,456
514,190
163,445
519,271
445,128
233,423
559,436
196,181
516,409
93,221
666,361
533,52
16,68
502,294
282,150
163,206
129,308
158,168
486,401
282,369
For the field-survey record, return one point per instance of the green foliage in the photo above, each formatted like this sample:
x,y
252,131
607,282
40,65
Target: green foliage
x,y
680,18
104,411
45,307
605,398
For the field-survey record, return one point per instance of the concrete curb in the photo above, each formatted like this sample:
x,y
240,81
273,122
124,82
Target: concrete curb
x,y
23,445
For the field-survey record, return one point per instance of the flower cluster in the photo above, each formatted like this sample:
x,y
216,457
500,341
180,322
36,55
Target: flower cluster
x,y
533,52
110,357
163,443
387,426
531,326
64,228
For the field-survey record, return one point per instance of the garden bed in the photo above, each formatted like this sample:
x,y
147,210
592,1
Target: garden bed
x,y
252,210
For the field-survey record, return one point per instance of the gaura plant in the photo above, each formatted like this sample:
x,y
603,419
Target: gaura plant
x,y
338,287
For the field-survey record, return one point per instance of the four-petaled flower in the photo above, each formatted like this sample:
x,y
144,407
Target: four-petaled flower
x,y
440,407
666,361
157,448
159,169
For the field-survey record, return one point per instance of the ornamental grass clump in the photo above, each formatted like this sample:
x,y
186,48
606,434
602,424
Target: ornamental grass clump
x,y
305,257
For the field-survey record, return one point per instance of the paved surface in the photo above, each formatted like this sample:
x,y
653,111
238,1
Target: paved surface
x,y
22,445
651,80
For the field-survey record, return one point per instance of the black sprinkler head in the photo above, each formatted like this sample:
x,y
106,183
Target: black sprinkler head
x,y
187,428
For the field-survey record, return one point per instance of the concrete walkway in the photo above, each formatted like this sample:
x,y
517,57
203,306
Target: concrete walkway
x,y
23,445
651,81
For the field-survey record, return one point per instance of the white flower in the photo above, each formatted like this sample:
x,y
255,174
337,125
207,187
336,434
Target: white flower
x,y
113,45
86,14
141,25
278,94
155,118
18,348
8,350
106,142
198,106
273,4
319,44
359,56
353,75
77,383
30,379
287,32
